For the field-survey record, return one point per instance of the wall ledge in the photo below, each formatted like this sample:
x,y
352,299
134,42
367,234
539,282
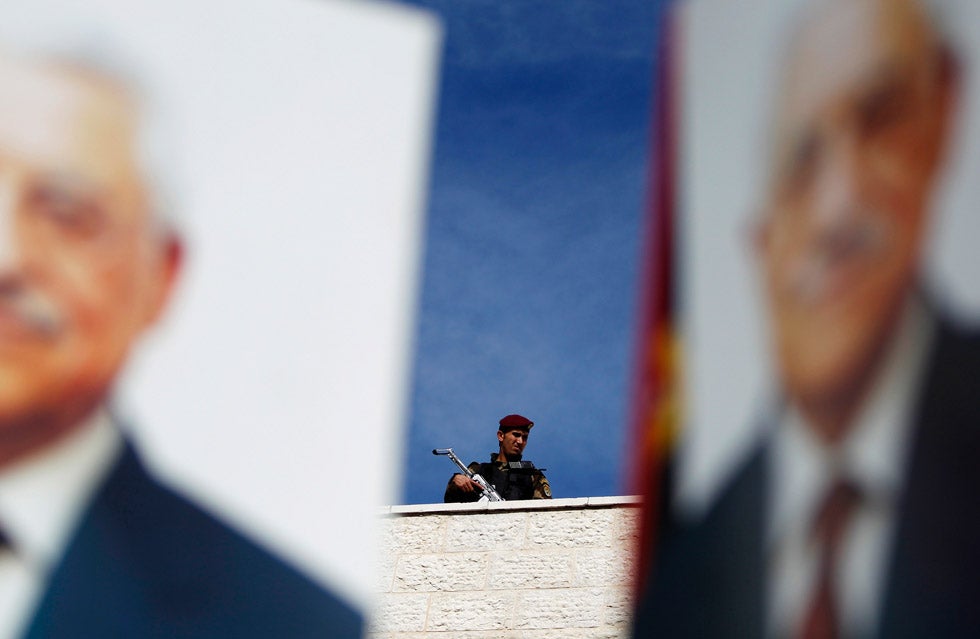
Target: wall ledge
x,y
568,503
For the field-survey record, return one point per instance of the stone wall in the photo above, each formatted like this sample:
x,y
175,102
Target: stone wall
x,y
548,569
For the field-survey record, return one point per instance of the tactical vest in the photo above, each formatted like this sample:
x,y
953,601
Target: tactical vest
x,y
513,480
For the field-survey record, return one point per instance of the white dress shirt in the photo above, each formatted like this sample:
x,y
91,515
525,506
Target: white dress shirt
x,y
41,500
873,455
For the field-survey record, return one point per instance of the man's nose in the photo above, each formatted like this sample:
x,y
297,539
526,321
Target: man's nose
x,y
838,189
10,245
12,242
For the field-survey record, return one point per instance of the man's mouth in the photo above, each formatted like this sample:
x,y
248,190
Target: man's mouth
x,y
834,261
25,315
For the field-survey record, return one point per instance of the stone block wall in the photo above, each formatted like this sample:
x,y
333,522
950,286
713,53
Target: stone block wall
x,y
548,569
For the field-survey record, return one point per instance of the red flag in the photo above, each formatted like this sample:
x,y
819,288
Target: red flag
x,y
657,397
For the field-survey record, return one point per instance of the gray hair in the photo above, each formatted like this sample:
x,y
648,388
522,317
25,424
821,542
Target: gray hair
x,y
938,17
83,39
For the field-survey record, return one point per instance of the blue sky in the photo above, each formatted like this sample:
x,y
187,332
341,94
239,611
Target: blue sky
x,y
533,238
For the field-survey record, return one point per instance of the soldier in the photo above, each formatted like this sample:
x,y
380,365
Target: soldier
x,y
509,475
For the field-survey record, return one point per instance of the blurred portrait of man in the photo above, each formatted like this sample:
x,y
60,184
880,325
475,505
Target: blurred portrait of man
x,y
92,546
853,514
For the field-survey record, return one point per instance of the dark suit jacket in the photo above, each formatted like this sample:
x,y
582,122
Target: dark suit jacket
x,y
709,576
145,563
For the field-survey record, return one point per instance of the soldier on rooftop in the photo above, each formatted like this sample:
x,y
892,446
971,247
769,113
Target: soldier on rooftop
x,y
510,475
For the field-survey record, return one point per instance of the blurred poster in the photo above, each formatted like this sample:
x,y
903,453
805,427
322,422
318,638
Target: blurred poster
x,y
273,389
826,297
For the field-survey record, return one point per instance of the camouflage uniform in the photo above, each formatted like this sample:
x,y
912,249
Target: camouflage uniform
x,y
538,487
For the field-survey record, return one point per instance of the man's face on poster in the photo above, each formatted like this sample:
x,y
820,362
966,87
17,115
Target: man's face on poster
x,y
860,130
82,268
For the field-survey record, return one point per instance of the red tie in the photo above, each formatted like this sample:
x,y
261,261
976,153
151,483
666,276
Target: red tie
x,y
822,618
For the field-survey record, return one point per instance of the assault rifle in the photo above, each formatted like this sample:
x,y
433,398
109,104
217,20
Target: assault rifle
x,y
487,491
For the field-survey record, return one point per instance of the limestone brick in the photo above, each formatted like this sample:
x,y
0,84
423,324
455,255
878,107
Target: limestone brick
x,y
501,530
401,612
384,570
530,570
571,608
626,527
447,571
618,606
603,567
459,611
460,634
572,633
574,529
414,534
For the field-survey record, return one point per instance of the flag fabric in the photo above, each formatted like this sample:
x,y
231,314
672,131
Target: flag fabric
x,y
656,410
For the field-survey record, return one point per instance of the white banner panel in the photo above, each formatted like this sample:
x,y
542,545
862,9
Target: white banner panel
x,y
275,388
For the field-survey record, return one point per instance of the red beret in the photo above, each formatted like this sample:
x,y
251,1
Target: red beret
x,y
515,421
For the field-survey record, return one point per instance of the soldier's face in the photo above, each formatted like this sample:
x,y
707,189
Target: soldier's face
x,y
512,442
860,134
82,271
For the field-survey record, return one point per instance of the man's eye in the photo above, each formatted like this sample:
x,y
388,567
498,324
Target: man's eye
x,y
75,213
884,106
801,161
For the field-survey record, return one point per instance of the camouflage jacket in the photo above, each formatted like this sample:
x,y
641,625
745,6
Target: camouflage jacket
x,y
510,484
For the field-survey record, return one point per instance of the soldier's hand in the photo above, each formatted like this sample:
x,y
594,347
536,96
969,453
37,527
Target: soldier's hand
x,y
464,483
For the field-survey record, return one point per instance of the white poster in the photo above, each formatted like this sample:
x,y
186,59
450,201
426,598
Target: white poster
x,y
274,389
